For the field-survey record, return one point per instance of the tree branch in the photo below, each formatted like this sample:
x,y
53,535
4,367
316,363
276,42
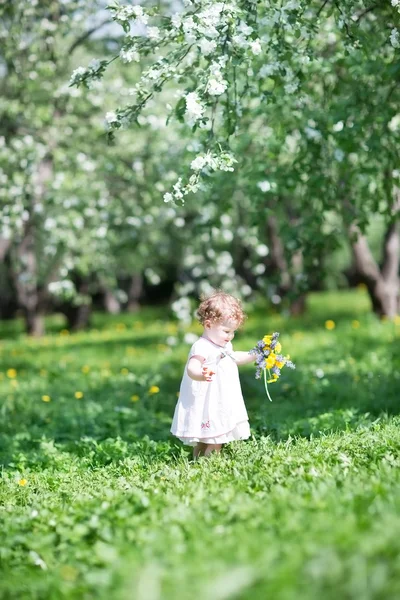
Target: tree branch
x,y
365,12
87,34
364,261
321,8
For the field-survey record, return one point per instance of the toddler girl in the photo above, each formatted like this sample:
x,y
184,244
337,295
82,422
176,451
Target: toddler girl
x,y
210,410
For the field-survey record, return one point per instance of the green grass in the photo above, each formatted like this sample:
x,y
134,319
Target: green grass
x,y
113,507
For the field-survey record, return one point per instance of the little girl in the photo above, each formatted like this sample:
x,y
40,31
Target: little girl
x,y
210,411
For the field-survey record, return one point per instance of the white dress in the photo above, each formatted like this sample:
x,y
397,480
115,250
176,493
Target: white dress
x,y
212,412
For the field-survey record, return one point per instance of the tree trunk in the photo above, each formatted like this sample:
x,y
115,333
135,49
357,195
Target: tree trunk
x,y
286,287
4,247
111,303
25,282
24,269
78,316
34,322
383,284
134,292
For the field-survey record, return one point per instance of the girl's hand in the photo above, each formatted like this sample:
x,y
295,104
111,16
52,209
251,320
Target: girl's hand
x,y
207,373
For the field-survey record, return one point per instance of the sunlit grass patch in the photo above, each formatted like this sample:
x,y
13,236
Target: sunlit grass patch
x,y
98,500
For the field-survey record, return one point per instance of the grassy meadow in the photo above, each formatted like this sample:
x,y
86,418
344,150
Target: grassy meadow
x,y
97,500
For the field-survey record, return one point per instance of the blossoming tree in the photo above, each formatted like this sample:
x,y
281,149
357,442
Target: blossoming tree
x,y
292,72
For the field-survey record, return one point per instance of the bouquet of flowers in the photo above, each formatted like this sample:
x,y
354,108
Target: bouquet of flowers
x,y
269,358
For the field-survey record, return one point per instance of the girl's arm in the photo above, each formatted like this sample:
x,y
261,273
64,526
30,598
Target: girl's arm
x,y
196,371
243,358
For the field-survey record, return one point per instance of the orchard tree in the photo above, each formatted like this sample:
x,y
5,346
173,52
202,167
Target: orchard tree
x,y
312,88
75,213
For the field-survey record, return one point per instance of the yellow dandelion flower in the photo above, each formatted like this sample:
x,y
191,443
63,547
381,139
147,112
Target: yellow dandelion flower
x,y
267,339
298,335
154,389
329,324
124,371
68,573
46,398
280,364
11,373
355,324
85,369
278,348
135,398
273,380
78,395
270,361
22,482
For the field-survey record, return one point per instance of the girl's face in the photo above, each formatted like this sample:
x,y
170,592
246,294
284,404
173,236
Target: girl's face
x,y
220,333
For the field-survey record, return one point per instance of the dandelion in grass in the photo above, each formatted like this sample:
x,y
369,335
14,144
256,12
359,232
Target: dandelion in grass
x,y
22,482
329,324
46,398
78,395
11,373
269,358
154,389
135,398
85,369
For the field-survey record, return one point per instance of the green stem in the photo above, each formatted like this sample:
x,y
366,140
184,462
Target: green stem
x,y
266,385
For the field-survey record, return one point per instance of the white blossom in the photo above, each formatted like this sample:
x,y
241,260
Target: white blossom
x,y
207,46
394,38
194,108
216,87
198,163
130,55
255,47
77,75
168,197
153,33
240,40
111,117
264,186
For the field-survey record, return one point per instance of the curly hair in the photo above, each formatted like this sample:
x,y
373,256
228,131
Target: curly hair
x,y
220,306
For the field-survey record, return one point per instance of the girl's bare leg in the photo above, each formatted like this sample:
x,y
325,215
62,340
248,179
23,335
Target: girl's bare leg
x,y
212,448
199,450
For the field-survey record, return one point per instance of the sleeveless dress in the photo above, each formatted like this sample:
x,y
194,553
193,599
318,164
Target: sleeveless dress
x,y
212,412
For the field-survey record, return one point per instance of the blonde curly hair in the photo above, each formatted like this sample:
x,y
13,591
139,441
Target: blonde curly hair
x,y
220,306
